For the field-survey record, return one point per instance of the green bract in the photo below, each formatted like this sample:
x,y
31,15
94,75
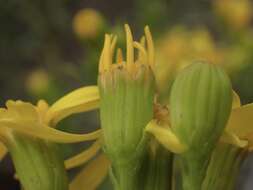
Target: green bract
x,y
200,103
126,107
38,164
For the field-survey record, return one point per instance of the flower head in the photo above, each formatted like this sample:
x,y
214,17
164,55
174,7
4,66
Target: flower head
x,y
27,129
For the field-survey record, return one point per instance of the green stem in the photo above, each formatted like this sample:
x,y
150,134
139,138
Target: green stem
x,y
125,177
159,172
224,167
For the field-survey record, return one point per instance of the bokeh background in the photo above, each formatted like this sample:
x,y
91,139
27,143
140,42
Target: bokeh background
x,y
50,47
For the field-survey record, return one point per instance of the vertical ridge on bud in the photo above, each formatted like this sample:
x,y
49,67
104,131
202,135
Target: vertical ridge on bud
x,y
200,103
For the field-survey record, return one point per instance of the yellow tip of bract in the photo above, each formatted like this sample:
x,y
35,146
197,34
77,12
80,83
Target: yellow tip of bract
x,y
165,137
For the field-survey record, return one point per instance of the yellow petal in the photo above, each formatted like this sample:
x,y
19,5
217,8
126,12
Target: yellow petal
x,y
3,151
92,175
80,100
84,156
236,100
39,130
165,137
231,138
42,108
19,109
241,120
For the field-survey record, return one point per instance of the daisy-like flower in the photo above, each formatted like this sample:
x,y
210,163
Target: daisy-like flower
x,y
28,129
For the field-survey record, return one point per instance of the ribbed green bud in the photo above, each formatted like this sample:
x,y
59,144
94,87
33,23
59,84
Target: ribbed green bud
x,y
126,106
224,167
37,163
200,103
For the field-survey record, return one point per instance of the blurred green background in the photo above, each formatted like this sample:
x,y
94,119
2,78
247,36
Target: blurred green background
x,y
48,48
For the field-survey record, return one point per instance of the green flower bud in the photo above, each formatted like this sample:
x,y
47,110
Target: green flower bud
x,y
200,103
126,106
224,167
37,163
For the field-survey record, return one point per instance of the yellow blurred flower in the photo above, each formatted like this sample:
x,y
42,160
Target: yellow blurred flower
x,y
237,13
87,23
179,48
37,82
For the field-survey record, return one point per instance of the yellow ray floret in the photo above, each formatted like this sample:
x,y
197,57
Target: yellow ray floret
x,y
38,120
92,175
84,156
80,100
165,137
239,128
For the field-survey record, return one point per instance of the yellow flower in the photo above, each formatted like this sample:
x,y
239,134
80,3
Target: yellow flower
x,y
239,130
237,13
87,23
92,175
39,120
177,49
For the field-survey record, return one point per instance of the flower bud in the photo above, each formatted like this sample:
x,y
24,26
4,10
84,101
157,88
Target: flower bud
x,y
200,103
37,163
126,106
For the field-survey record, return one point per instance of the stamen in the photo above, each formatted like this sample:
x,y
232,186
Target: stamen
x,y
101,59
114,41
119,56
143,41
107,55
142,52
130,48
150,44
101,67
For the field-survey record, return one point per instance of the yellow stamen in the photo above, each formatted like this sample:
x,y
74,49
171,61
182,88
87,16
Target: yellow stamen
x,y
150,44
143,41
107,55
119,56
113,44
130,48
142,51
